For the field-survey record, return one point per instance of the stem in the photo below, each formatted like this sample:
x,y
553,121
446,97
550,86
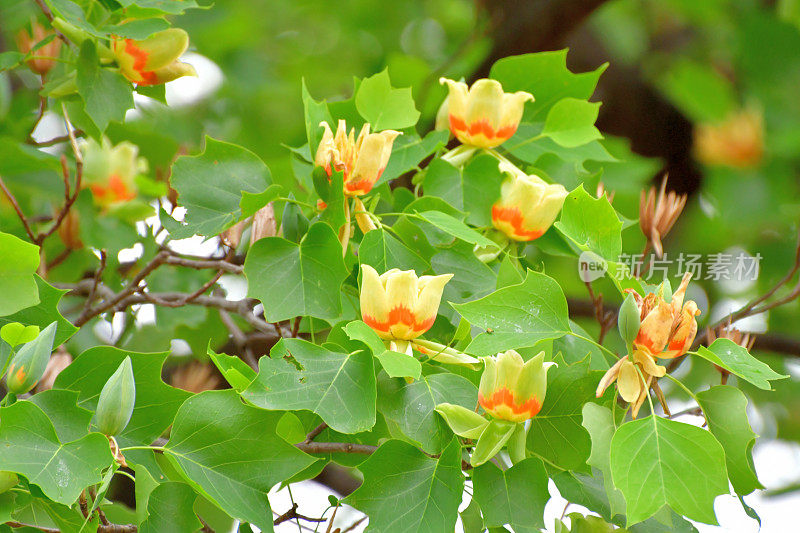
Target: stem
x,y
681,385
647,389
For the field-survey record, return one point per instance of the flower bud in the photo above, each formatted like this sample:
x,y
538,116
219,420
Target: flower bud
x,y
263,224
30,362
115,406
398,304
512,389
154,60
628,320
109,171
362,160
44,57
8,480
70,230
528,205
483,115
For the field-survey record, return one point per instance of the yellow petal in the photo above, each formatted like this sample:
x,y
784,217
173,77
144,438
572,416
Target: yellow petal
x,y
608,378
649,365
374,304
430,296
629,383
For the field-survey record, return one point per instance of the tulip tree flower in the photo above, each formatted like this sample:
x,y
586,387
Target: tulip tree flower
x,y
109,171
44,58
154,60
667,330
528,205
511,391
362,159
483,115
399,307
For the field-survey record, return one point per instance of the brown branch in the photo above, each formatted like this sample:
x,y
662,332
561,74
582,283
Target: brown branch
x,y
314,433
291,514
199,264
15,205
55,140
354,525
336,447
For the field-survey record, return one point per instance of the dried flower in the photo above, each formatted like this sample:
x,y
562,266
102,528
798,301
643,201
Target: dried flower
x,y
658,215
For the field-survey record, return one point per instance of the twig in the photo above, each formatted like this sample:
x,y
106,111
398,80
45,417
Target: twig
x,y
296,326
188,298
206,528
59,258
55,140
199,264
239,338
354,525
18,210
314,433
291,514
336,447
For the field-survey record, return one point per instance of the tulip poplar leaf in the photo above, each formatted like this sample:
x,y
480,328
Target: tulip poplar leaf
x,y
156,402
592,224
584,490
517,316
210,186
516,496
408,150
599,422
18,289
411,406
170,507
315,113
545,75
172,7
382,251
556,432
231,453
299,375
70,421
44,312
384,107
570,122
657,462
725,409
451,225
405,491
297,280
737,360
236,372
106,94
31,447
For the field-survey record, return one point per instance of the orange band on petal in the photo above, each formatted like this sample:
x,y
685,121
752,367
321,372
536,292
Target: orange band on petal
x,y
504,397
399,315
139,61
513,217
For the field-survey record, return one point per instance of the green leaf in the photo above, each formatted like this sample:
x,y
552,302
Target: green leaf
x,y
31,448
17,284
657,462
592,224
384,107
137,29
231,453
339,387
556,432
15,333
61,407
570,122
173,7
210,186
492,440
399,365
315,113
411,406
472,278
297,280
456,228
236,372
471,518
585,490
106,94
518,316
725,409
250,203
408,150
599,422
170,507
528,145
44,312
516,496
156,402
380,250
9,60
405,491
737,360
546,77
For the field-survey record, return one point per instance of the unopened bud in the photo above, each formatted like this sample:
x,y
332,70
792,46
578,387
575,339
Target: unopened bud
x,y
629,320
115,406
30,362
44,56
70,231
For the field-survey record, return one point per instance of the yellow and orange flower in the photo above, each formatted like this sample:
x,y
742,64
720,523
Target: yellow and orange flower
x,y
737,142
154,60
512,389
397,304
362,159
629,380
667,329
44,57
483,115
528,205
109,171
